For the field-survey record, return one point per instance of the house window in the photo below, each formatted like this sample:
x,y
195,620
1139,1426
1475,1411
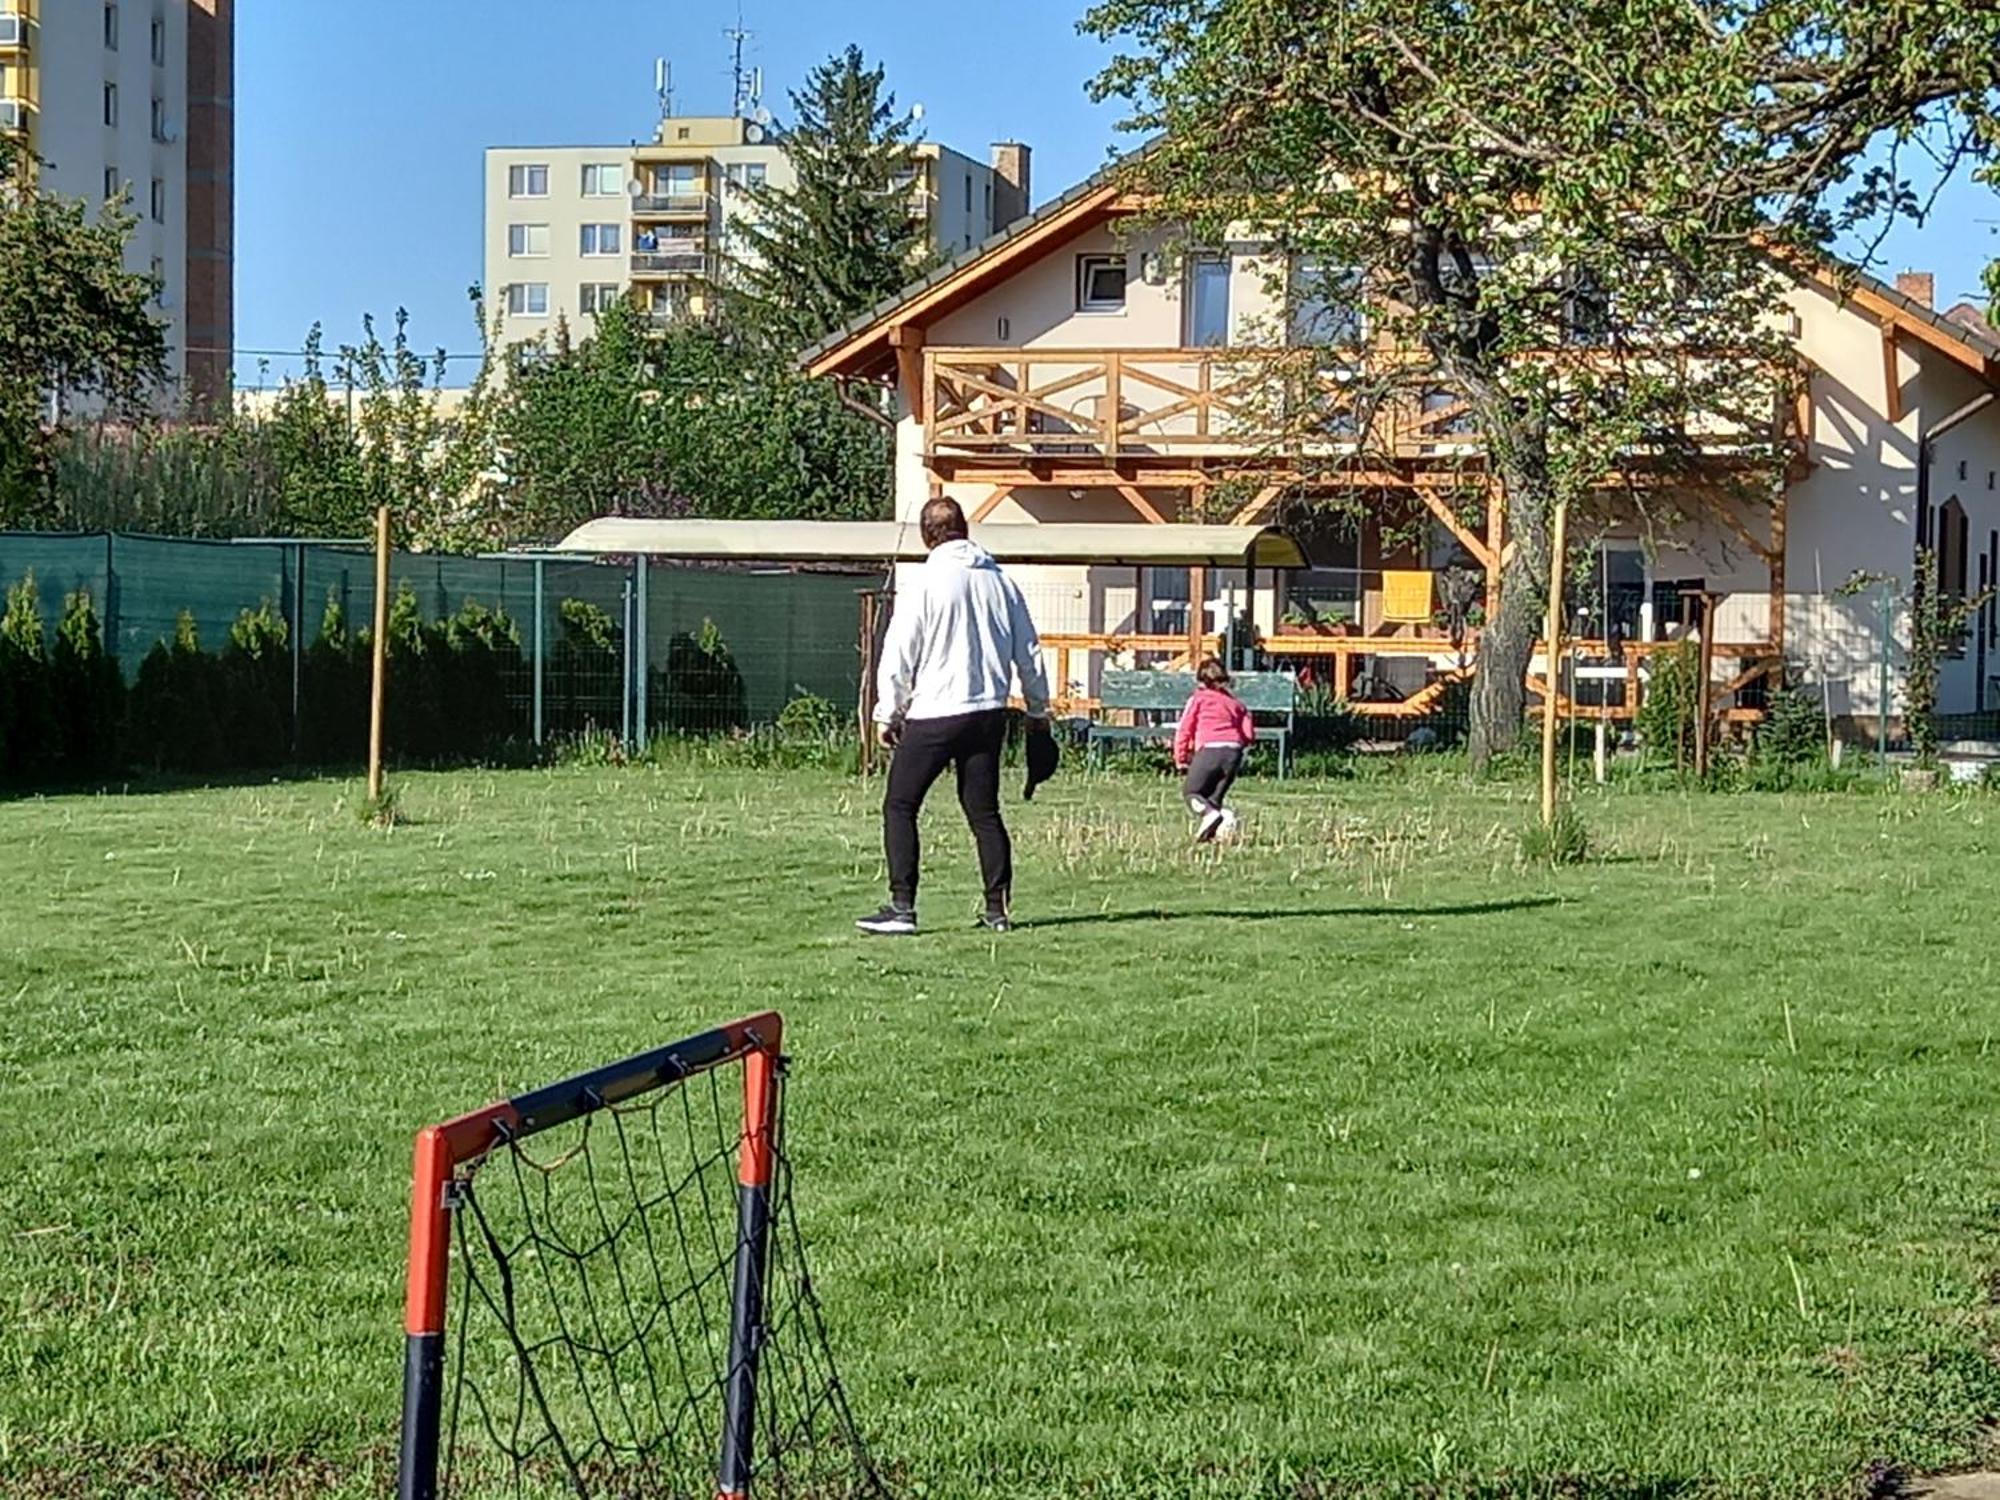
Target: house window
x,y
528,181
159,201
1459,424
111,27
1328,593
1208,302
596,296
600,239
603,180
527,240
1961,470
111,104
1327,305
1100,283
1167,601
528,299
1586,311
159,42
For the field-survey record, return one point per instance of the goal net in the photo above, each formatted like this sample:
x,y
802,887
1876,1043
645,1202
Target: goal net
x,y
607,1294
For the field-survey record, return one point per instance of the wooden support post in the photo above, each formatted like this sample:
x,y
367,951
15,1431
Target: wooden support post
x,y
1552,632
871,603
1114,400
914,370
1704,686
1775,560
1892,375
378,692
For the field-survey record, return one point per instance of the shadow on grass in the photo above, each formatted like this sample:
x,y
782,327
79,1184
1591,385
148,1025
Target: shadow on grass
x,y
1288,914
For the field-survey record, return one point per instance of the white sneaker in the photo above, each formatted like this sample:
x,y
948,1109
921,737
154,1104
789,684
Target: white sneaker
x,y
1211,820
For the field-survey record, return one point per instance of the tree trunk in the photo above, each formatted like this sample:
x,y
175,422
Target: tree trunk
x,y
1499,683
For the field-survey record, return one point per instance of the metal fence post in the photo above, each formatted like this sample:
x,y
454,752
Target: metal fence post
x,y
625,671
298,648
538,651
640,570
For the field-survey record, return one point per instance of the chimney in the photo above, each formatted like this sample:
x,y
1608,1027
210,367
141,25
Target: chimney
x,y
1011,188
1918,286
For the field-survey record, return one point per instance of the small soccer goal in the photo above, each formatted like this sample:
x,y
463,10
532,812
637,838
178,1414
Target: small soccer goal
x,y
608,1297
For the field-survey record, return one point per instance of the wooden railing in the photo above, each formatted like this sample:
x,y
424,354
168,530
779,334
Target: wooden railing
x,y
1119,404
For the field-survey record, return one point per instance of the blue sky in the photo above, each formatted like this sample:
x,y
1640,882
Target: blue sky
x,y
360,127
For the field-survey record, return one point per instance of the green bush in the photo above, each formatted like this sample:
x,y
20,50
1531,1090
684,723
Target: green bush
x,y
30,729
584,687
1324,723
177,705
1666,716
254,679
699,691
811,717
89,691
335,693
1794,730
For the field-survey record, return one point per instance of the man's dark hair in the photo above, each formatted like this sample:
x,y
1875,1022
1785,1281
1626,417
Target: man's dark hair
x,y
942,521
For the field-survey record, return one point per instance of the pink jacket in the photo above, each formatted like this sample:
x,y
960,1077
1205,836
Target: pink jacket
x,y
1212,717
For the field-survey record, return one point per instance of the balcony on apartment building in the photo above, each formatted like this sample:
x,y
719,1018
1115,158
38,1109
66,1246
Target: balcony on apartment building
x,y
681,256
996,408
13,34
673,205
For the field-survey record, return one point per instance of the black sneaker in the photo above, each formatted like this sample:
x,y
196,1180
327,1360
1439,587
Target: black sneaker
x,y
890,921
996,921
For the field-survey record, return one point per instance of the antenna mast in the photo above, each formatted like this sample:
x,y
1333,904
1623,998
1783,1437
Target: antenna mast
x,y
741,89
663,86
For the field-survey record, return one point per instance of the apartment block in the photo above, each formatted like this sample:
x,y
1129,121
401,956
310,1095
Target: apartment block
x,y
569,229
136,98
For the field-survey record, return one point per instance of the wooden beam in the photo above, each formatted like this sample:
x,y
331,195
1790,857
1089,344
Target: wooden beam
x,y
1438,507
1197,613
1497,547
1892,375
1136,498
993,502
1253,513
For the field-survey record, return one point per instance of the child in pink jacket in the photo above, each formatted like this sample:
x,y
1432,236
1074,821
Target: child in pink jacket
x,y
1215,732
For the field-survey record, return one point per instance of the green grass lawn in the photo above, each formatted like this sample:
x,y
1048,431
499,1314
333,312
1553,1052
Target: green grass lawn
x,y
1349,1159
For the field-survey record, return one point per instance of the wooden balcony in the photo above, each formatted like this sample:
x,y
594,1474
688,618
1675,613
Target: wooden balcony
x,y
1003,409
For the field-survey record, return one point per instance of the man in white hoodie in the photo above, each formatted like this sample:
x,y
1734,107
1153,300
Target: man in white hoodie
x,y
959,635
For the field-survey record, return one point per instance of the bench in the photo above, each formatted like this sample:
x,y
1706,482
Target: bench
x,y
1155,700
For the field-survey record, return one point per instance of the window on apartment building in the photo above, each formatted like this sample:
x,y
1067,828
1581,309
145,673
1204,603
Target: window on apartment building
x,y
1100,283
1327,305
968,195
528,299
745,174
678,180
528,181
527,240
111,27
601,239
988,219
111,104
159,42
159,201
596,296
113,183
159,119
159,281
604,179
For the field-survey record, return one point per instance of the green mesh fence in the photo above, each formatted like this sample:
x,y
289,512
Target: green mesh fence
x,y
601,649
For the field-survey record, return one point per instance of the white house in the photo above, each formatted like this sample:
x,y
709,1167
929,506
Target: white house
x,y
1066,371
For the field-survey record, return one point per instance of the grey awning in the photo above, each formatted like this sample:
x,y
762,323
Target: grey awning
x,y
1133,545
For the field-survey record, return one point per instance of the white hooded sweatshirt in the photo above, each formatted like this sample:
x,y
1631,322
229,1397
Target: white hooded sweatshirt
x,y
959,633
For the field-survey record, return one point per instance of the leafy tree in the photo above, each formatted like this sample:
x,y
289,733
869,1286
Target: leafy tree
x,y
1563,216
30,731
844,237
74,326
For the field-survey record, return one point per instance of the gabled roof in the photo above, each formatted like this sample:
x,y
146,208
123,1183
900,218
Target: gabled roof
x,y
862,343
865,345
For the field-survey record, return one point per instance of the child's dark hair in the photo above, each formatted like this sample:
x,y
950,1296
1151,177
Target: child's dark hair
x,y
1212,673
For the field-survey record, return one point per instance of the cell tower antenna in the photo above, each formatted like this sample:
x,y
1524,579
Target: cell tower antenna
x,y
741,88
663,86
